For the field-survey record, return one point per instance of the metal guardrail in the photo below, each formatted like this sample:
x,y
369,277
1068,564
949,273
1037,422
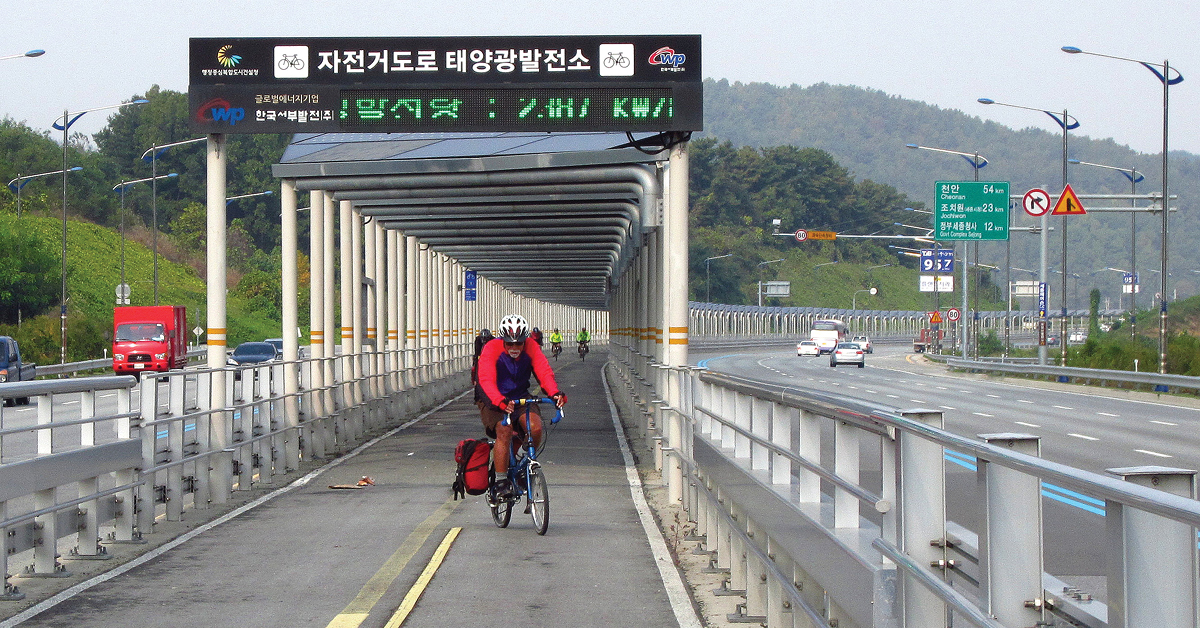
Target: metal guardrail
x,y
180,448
756,448
1160,382
70,368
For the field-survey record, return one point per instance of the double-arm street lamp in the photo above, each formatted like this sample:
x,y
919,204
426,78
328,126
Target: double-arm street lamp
x,y
708,276
976,162
1135,178
151,155
22,180
31,53
68,118
123,289
1162,71
1066,122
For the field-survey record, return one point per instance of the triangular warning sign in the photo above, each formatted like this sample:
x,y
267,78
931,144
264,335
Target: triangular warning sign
x,y
1068,204
935,317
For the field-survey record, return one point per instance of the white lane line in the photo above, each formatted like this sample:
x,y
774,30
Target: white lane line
x,y
1026,424
994,396
852,387
1024,401
108,395
1062,407
1165,423
1107,414
872,392
915,401
941,388
948,407
1082,436
982,414
1153,453
67,403
677,592
894,396
965,392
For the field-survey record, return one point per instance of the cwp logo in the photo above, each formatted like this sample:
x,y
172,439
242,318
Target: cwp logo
x,y
668,57
219,110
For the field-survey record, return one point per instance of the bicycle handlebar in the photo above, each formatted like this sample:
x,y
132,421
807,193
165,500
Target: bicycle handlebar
x,y
522,402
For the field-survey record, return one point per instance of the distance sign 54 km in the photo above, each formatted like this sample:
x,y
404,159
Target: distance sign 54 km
x,y
970,210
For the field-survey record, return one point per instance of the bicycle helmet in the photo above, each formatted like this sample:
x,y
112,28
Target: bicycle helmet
x,y
513,328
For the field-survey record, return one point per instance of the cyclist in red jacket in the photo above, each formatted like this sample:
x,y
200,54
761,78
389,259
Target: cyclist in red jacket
x,y
505,366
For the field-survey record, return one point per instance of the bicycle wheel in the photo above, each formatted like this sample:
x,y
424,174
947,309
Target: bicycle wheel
x,y
539,500
501,508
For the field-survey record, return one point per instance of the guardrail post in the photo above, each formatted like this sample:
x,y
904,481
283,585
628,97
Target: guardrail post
x,y
737,553
756,576
1010,547
727,410
760,426
146,503
125,499
808,445
781,435
45,552
846,464
1152,575
922,517
175,446
743,410
89,535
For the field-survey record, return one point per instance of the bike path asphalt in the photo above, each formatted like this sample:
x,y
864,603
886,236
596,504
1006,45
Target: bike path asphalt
x,y
322,557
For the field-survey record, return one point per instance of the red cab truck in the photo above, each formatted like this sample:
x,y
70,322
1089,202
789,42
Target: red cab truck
x,y
149,338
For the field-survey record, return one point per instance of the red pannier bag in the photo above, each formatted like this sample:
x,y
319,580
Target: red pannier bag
x,y
474,473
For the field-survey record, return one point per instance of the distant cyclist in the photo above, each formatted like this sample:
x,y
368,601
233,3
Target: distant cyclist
x,y
482,339
583,337
536,334
556,343
505,366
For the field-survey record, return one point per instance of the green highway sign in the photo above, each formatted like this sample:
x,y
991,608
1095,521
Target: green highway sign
x,y
970,210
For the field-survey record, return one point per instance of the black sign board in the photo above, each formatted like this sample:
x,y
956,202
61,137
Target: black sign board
x,y
432,84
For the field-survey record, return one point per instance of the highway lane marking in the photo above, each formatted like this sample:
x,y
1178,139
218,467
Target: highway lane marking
x,y
67,403
1153,453
71,592
678,593
1026,424
893,396
1107,414
983,414
994,396
1024,401
1165,423
947,407
915,401
1082,436
357,610
1062,407
414,594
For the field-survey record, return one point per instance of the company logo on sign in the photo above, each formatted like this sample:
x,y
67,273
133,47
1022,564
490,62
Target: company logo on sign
x,y
616,60
291,61
226,57
219,110
666,56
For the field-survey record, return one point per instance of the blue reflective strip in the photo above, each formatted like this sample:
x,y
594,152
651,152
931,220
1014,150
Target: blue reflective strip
x,y
1069,497
188,427
961,460
1070,493
1072,502
704,363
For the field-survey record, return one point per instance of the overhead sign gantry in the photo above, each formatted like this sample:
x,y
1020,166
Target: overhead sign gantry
x,y
413,84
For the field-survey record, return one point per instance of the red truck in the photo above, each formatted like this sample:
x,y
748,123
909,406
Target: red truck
x,y
926,340
149,338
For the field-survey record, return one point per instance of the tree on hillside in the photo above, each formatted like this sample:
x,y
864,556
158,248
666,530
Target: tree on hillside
x,y
29,274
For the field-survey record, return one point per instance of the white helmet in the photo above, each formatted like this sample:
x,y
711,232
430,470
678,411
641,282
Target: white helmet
x,y
513,328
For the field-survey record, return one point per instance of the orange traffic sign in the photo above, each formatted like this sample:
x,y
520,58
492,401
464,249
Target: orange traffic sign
x,y
1068,204
935,317
822,235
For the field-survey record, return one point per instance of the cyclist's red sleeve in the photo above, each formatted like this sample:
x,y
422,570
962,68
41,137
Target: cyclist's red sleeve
x,y
487,370
541,368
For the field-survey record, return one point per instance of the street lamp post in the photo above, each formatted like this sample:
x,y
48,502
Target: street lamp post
x,y
760,267
152,155
1167,81
17,184
854,297
31,53
1066,122
708,277
121,187
976,161
1134,178
69,118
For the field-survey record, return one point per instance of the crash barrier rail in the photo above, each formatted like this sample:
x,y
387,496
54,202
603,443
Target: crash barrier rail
x,y
1165,383
745,459
71,368
86,472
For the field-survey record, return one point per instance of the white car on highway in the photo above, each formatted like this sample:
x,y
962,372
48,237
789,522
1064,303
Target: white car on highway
x,y
808,347
847,353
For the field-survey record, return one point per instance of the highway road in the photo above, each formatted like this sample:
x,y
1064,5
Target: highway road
x,y
1086,428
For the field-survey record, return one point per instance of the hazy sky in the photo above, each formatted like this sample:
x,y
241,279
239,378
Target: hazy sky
x,y
944,53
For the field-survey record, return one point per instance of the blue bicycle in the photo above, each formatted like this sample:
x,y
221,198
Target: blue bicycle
x,y
524,475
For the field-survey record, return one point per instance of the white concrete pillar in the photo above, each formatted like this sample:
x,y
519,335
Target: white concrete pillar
x,y
291,320
215,270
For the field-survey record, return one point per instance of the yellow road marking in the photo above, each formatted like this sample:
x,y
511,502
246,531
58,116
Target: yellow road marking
x,y
414,594
373,590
